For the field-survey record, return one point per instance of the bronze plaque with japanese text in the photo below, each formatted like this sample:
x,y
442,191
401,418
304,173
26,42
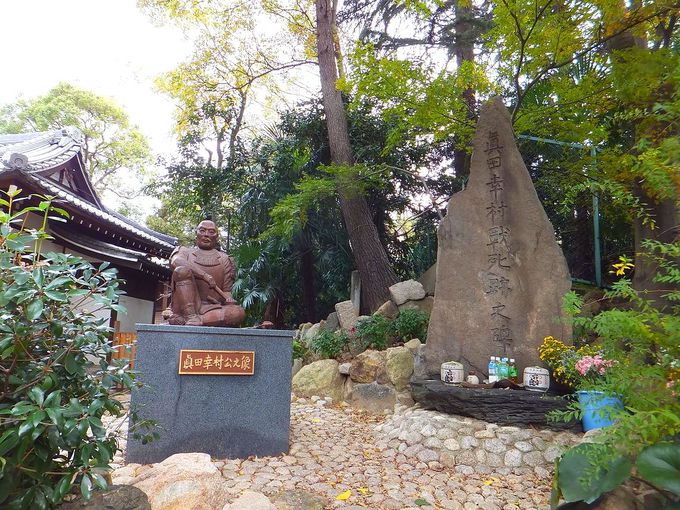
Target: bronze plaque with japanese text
x,y
201,362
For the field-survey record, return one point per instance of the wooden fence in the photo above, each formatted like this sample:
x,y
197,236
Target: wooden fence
x,y
125,346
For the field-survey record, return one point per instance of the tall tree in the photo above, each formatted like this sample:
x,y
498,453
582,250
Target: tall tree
x,y
111,143
369,254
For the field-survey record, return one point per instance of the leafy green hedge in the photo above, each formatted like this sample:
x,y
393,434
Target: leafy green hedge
x,y
55,381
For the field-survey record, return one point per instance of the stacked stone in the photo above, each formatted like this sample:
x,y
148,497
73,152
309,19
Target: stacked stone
x,y
468,445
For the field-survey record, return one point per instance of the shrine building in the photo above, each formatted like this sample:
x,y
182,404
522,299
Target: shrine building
x,y
51,163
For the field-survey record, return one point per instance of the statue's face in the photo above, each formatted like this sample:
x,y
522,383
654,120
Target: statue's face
x,y
206,235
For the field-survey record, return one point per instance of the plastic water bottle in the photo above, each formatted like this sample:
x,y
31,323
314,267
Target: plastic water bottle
x,y
493,373
513,371
503,369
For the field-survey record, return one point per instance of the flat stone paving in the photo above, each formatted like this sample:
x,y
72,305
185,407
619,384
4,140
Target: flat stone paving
x,y
334,448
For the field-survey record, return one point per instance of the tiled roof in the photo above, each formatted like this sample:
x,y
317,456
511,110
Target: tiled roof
x,y
32,154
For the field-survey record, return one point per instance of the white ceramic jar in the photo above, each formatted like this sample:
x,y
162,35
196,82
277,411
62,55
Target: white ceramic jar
x,y
452,372
536,379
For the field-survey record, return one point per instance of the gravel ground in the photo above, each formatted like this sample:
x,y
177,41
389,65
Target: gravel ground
x,y
335,449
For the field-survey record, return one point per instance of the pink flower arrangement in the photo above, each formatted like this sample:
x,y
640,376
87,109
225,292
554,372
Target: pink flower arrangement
x,y
593,365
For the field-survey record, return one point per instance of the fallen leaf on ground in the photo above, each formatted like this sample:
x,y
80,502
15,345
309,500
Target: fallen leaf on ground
x,y
344,495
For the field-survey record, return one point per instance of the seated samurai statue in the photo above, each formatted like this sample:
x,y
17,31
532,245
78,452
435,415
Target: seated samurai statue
x,y
202,278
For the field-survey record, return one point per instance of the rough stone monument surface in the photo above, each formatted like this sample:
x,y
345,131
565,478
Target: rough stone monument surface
x,y
225,416
500,275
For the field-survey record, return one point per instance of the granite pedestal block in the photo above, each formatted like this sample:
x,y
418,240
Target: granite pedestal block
x,y
225,416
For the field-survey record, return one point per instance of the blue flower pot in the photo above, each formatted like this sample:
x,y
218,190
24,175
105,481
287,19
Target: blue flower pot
x,y
597,407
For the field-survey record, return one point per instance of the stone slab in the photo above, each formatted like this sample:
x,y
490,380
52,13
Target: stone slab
x,y
501,276
223,416
501,406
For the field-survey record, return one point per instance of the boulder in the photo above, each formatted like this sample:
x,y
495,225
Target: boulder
x,y
367,366
319,378
297,365
427,279
302,330
344,368
332,323
424,305
399,366
311,333
410,290
116,497
347,315
413,345
298,500
374,398
251,500
184,481
388,310
621,498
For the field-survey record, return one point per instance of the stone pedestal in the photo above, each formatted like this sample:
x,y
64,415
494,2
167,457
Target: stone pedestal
x,y
225,416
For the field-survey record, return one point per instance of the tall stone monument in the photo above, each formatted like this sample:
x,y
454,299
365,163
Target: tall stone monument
x,y
501,275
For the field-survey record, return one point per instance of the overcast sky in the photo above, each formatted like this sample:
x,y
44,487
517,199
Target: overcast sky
x,y
108,47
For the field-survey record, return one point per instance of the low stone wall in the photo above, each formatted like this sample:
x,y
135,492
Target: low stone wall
x,y
470,445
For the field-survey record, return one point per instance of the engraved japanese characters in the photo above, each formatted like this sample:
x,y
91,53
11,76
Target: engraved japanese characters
x,y
501,275
202,279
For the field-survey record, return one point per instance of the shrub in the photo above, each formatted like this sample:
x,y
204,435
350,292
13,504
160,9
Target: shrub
x,y
374,331
299,349
643,340
411,324
330,344
51,397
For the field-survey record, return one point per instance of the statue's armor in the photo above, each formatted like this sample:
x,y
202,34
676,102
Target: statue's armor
x,y
217,264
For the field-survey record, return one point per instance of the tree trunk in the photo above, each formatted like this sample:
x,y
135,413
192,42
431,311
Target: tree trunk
x,y
464,51
369,254
665,212
307,272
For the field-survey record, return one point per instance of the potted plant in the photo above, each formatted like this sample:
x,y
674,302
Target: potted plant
x,y
584,370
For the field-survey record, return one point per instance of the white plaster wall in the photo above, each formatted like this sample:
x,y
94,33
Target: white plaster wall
x,y
138,311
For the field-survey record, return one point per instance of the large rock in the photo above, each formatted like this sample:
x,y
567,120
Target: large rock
x,y
298,500
368,366
410,290
311,333
374,398
184,481
413,345
428,278
319,378
399,366
388,309
501,275
116,497
424,305
251,500
348,315
332,323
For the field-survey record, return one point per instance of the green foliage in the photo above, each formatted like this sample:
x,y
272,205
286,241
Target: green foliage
x,y
111,142
644,340
299,349
660,465
581,474
374,332
56,383
581,479
329,344
411,324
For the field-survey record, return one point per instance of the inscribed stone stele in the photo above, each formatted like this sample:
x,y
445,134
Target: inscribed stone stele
x,y
501,275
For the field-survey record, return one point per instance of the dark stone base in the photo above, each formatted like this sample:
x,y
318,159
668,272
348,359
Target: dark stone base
x,y
505,407
225,416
